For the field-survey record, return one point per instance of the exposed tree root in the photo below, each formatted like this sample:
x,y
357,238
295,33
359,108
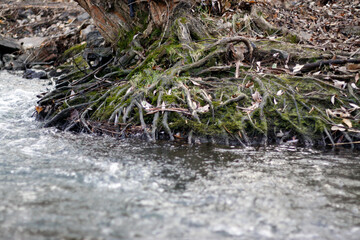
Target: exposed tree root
x,y
190,90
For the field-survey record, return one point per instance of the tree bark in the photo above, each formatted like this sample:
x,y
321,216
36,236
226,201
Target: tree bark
x,y
114,20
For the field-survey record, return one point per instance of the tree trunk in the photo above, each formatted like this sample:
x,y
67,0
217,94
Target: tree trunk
x,y
113,17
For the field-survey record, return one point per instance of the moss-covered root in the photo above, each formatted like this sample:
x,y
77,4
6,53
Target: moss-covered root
x,y
191,90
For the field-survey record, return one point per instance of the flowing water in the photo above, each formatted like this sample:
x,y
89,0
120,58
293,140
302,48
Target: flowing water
x,y
57,185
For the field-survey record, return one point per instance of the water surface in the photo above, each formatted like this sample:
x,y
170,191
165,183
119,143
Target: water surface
x,y
56,185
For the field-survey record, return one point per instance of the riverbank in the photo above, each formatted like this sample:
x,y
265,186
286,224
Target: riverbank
x,y
251,83
35,34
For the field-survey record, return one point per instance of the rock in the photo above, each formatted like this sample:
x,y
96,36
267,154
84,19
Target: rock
x,y
11,62
86,31
18,65
94,39
83,17
23,57
1,64
8,57
92,36
30,74
8,45
57,72
97,56
282,54
37,66
32,42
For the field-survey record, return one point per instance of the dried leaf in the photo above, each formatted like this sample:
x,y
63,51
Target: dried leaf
x,y
72,94
343,69
178,135
347,122
280,134
39,109
357,77
251,108
249,84
257,97
339,84
333,100
297,68
353,85
337,113
195,83
146,105
203,109
353,67
354,105
338,127
258,66
158,68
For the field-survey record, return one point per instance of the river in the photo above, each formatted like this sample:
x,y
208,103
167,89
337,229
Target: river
x,y
58,185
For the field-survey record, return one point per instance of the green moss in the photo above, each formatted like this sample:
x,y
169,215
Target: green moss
x,y
183,20
292,38
76,49
80,62
297,52
169,99
204,129
125,40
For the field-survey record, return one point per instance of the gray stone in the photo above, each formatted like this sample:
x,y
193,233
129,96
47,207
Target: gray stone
x,y
23,57
97,56
92,36
11,63
83,17
31,42
8,45
86,31
30,74
94,39
282,54
8,58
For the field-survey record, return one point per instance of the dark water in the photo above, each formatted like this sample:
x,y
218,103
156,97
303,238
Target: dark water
x,y
56,185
